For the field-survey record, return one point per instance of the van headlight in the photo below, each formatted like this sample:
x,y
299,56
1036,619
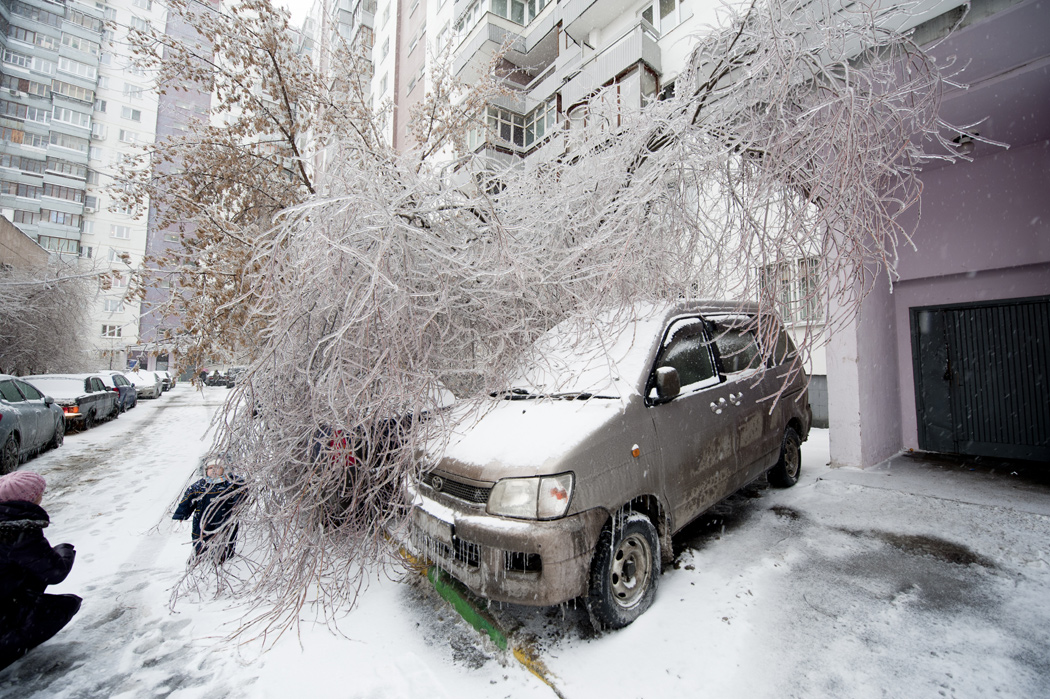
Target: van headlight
x,y
543,497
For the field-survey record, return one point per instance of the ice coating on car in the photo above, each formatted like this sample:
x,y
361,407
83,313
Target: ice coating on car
x,y
603,356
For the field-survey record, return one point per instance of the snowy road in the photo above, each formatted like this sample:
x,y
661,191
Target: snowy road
x,y
908,581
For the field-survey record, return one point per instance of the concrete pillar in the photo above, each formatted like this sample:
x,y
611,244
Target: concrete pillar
x,y
863,384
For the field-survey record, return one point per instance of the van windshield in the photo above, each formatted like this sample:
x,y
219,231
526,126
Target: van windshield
x,y
599,357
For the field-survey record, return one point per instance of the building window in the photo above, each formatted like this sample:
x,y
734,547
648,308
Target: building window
x,y
85,252
794,285
110,331
132,114
139,24
128,137
71,117
113,306
171,237
143,4
59,245
665,15
507,125
81,44
118,231
83,70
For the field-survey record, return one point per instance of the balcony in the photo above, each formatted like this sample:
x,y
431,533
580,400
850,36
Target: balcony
x,y
532,49
580,17
638,44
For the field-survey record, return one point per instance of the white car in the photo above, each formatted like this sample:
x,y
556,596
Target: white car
x,y
147,383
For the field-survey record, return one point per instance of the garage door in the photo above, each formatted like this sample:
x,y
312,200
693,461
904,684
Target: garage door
x,y
981,378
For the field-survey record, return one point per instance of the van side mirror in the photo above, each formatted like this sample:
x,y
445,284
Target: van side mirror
x,y
668,385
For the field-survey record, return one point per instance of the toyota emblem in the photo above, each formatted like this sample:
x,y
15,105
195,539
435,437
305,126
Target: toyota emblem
x,y
437,483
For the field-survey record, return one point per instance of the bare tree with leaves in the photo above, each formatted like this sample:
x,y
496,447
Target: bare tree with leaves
x,y
273,114
795,129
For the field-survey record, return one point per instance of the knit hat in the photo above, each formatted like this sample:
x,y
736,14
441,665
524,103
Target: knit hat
x,y
21,485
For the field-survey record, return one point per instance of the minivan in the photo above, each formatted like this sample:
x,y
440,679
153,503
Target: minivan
x,y
617,432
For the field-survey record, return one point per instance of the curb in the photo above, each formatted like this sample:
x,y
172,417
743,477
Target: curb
x,y
464,602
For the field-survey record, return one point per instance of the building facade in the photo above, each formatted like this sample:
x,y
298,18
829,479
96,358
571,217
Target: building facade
x,y
71,105
956,357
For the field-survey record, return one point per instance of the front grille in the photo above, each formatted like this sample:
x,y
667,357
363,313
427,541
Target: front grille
x,y
479,495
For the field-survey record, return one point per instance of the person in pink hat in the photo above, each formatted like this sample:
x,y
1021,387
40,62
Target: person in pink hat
x,y
28,564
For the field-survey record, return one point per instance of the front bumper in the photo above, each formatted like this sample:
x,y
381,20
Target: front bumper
x,y
529,562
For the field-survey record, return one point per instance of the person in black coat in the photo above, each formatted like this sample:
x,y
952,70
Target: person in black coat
x,y
28,564
211,501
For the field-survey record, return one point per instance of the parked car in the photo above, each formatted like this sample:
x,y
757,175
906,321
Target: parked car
x,y
127,396
216,378
614,436
83,398
167,379
146,383
29,422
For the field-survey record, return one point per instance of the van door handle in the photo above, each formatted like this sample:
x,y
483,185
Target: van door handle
x,y
735,400
716,408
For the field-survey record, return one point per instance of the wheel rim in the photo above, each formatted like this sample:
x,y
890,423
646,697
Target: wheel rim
x,y
630,570
9,457
60,433
792,458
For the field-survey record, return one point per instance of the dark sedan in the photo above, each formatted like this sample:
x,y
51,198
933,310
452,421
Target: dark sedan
x,y
29,422
83,398
127,395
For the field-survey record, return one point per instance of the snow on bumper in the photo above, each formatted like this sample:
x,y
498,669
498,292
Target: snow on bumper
x,y
509,560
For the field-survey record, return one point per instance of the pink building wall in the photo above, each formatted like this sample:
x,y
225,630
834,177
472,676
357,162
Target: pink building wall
x,y
984,233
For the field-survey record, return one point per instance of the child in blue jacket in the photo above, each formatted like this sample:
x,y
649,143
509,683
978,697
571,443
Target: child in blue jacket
x,y
211,501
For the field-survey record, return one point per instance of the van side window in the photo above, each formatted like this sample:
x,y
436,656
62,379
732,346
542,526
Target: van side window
x,y
785,350
686,350
737,348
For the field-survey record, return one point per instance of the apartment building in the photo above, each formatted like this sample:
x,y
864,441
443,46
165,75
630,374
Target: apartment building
x,y
70,104
176,111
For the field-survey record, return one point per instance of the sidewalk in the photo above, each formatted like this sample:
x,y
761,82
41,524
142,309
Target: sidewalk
x,y
1012,485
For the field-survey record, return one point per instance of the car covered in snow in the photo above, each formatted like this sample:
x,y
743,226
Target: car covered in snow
x,y
84,398
618,432
127,396
29,422
147,383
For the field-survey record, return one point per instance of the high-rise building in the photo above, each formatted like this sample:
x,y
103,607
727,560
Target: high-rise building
x,y
71,103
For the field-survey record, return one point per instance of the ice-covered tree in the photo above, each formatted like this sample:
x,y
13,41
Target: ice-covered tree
x,y
797,127
43,318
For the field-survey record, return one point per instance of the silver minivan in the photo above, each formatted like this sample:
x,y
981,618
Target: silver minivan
x,y
618,432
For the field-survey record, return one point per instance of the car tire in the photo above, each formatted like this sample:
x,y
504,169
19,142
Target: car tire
x,y
788,468
60,433
89,420
9,455
625,572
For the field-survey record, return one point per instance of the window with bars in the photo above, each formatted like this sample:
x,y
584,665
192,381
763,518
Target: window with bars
x,y
794,286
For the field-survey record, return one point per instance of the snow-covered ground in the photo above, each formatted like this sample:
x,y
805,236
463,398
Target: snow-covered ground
x,y
910,580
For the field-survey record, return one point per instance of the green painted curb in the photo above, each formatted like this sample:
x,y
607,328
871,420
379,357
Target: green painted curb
x,y
456,595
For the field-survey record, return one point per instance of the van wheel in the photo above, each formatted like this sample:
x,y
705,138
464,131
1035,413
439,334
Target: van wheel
x,y
624,572
9,455
785,474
